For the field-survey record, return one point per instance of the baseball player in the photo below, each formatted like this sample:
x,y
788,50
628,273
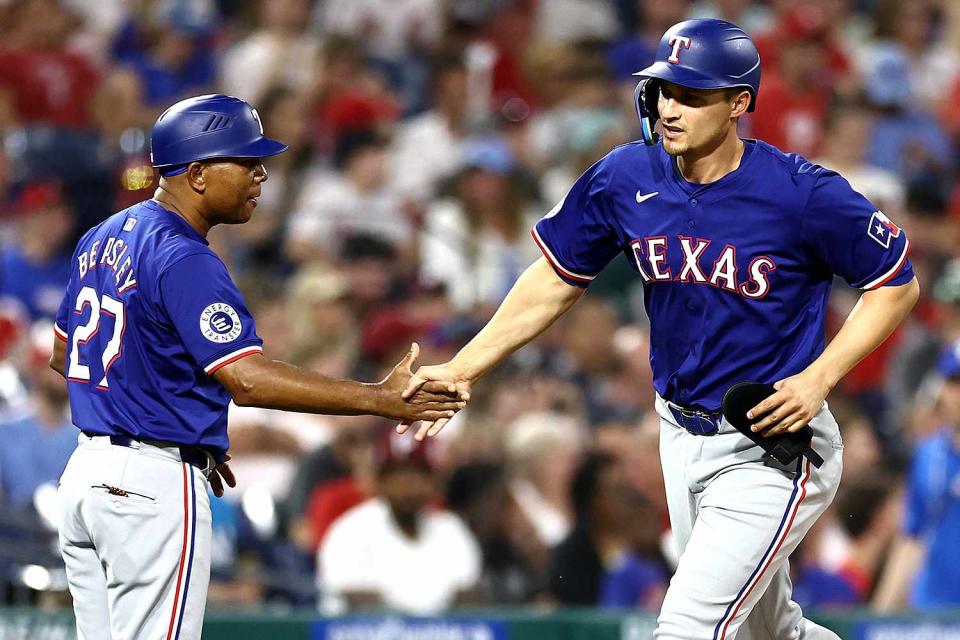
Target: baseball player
x,y
154,340
736,244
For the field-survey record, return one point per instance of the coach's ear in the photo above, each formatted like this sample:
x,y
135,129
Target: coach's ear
x,y
195,177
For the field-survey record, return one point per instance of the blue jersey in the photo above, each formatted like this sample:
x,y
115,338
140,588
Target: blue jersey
x,y
933,515
737,272
149,314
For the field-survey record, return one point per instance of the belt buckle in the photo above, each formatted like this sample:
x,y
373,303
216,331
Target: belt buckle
x,y
699,423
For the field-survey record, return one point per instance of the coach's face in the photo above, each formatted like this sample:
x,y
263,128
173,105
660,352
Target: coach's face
x,y
696,120
231,187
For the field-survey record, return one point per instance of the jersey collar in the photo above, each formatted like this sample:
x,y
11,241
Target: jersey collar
x,y
176,220
715,188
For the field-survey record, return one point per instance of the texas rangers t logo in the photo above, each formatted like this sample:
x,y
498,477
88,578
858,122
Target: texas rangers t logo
x,y
677,42
882,229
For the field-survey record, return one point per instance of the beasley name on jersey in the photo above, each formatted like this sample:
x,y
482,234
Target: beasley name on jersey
x,y
736,272
150,313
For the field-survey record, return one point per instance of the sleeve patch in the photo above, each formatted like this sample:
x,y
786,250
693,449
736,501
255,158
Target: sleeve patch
x,y
220,323
882,230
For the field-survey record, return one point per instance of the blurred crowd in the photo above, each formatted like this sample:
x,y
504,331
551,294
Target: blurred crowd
x,y
426,137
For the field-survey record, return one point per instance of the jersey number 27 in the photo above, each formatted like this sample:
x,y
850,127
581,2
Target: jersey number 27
x,y
81,336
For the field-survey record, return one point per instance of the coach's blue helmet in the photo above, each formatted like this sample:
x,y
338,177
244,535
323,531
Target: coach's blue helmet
x,y
207,127
700,54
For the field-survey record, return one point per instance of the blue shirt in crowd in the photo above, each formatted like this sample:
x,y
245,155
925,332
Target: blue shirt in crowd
x,y
38,287
933,515
32,455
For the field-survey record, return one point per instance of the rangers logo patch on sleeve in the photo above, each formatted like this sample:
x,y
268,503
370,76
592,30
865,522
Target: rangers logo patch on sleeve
x,y
882,229
220,323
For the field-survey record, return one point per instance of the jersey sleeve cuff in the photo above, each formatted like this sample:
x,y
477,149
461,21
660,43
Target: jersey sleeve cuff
x,y
568,276
892,273
60,333
233,356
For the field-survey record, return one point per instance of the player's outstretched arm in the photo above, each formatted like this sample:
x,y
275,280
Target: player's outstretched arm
x,y
537,299
271,384
799,398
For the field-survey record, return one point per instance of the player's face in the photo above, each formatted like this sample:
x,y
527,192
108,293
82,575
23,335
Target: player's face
x,y
232,188
693,119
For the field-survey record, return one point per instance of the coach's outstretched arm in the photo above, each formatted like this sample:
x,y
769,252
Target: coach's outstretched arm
x,y
260,382
537,299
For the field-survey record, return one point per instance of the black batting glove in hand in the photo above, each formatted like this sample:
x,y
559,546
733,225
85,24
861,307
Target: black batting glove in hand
x,y
785,447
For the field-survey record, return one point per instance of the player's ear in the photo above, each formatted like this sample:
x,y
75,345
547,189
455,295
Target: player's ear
x,y
195,177
740,103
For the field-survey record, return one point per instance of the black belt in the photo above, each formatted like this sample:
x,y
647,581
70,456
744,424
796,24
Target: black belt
x,y
194,456
696,421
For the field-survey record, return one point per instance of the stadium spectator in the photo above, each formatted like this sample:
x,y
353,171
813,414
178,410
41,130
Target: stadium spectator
x,y
353,199
867,512
169,54
396,551
923,570
751,16
50,85
279,51
477,243
844,149
330,480
542,450
795,93
514,560
632,52
916,28
39,443
35,266
637,577
598,562
904,138
442,129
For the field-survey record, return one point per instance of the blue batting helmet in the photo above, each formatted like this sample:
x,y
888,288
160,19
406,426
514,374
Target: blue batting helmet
x,y
699,54
206,127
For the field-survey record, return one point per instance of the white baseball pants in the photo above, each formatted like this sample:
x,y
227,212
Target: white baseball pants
x,y
736,518
135,536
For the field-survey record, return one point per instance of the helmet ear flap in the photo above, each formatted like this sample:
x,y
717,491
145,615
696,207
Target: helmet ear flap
x,y
645,98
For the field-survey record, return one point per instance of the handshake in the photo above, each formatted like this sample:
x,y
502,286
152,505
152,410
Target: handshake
x,y
432,395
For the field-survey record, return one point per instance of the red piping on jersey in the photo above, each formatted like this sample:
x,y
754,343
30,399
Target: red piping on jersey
x,y
896,269
554,264
243,354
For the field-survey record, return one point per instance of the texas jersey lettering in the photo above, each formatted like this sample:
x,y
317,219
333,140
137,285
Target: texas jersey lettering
x,y
725,266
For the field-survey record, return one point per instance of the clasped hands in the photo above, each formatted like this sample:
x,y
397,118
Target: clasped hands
x,y
436,383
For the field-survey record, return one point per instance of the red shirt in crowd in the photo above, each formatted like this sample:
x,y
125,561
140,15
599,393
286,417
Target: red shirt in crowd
x,y
52,87
789,119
